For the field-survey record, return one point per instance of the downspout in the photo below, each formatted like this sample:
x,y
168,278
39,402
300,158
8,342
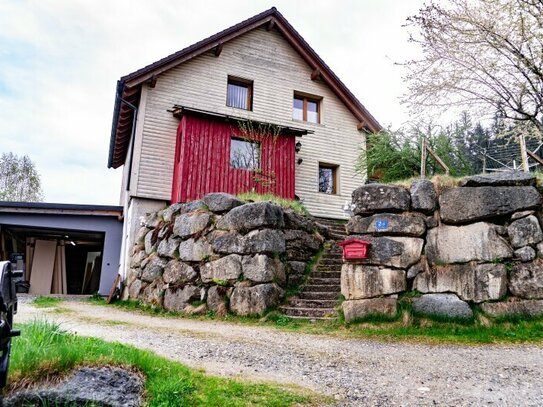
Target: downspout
x,y
132,138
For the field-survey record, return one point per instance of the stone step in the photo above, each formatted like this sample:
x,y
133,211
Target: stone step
x,y
326,274
329,269
324,280
331,261
303,303
321,288
308,312
319,295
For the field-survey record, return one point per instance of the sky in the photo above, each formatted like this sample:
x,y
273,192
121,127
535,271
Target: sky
x,y
60,60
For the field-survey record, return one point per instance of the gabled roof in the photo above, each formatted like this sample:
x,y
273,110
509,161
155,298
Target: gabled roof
x,y
129,86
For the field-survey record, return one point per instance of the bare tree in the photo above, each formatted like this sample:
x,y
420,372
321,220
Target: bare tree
x,y
482,55
19,179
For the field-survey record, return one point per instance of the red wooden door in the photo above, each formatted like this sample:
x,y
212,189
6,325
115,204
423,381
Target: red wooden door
x,y
202,162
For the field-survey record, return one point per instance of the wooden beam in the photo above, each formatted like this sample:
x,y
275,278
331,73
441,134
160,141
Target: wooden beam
x,y
438,159
152,82
535,157
362,126
218,49
270,25
315,74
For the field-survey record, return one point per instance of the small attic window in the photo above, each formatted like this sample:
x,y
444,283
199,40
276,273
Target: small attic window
x,y
239,93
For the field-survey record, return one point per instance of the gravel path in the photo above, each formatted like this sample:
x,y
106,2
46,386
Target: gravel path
x,y
355,372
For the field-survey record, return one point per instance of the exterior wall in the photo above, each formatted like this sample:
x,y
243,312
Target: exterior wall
x,y
202,162
111,228
134,209
277,71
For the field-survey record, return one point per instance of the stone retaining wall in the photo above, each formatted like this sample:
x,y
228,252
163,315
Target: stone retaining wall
x,y
220,254
480,244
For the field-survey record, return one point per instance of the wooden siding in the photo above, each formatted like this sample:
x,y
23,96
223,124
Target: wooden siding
x,y
277,72
202,162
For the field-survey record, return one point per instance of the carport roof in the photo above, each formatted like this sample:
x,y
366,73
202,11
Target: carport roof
x,y
59,208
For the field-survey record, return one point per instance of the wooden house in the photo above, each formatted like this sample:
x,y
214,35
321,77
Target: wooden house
x,y
251,108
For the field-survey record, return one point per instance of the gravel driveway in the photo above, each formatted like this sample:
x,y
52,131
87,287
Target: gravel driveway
x,y
354,372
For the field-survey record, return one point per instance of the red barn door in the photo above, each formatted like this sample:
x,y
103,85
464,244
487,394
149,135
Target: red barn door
x,y
203,162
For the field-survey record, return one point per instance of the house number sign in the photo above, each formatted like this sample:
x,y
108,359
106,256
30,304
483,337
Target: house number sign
x,y
381,224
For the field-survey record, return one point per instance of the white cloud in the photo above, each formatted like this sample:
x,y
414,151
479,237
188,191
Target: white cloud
x,y
59,62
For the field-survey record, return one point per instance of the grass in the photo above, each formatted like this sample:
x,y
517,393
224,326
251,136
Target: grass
x,y
440,181
404,327
44,352
296,206
46,302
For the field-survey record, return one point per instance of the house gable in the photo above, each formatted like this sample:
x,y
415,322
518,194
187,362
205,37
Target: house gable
x,y
129,87
277,71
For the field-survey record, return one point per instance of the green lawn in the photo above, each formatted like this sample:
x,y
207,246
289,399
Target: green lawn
x,y
404,327
44,351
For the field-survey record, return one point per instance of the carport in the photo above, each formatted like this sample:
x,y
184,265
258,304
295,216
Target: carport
x,y
63,248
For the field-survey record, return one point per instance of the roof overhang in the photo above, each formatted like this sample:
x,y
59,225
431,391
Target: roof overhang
x,y
129,86
179,111
43,208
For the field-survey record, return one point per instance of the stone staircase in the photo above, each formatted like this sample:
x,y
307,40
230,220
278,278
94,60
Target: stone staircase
x,y
320,293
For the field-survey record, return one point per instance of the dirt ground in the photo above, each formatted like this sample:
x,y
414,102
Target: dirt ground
x,y
353,372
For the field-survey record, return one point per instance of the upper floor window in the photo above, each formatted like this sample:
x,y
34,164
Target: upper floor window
x,y
306,109
244,154
239,93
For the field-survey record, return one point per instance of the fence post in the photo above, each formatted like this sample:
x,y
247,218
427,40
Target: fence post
x,y
523,153
423,158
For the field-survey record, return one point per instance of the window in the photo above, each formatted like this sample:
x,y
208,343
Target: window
x,y
306,109
244,154
239,93
328,178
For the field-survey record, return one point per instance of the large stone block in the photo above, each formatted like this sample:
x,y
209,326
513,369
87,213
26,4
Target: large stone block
x,y
264,241
461,205
153,294
462,244
190,224
471,282
373,198
253,216
525,254
194,250
393,251
445,305
526,280
176,299
423,196
150,242
226,269
255,300
355,309
153,269
294,220
524,232
224,242
514,307
181,208
406,224
216,298
261,268
168,247
504,179
178,273
301,245
221,202
256,241
359,281
136,288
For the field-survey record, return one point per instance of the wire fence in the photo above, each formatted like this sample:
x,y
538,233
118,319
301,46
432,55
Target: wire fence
x,y
499,156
